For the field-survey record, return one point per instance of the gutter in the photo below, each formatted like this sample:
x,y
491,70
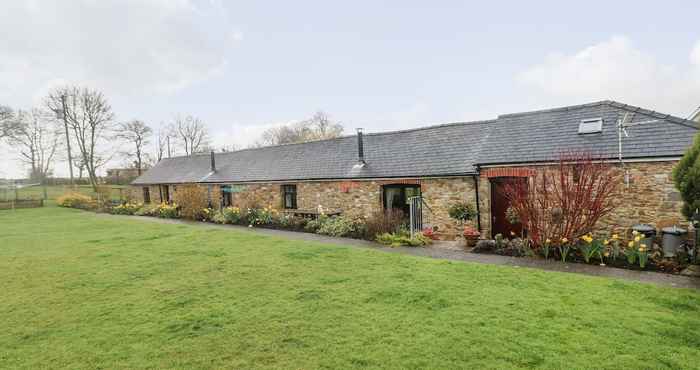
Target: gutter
x,y
552,162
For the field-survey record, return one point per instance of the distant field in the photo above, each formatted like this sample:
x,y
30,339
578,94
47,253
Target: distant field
x,y
53,192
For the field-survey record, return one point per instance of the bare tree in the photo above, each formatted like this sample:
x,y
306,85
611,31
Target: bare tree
x,y
89,116
36,139
138,134
7,121
191,133
318,127
56,102
162,143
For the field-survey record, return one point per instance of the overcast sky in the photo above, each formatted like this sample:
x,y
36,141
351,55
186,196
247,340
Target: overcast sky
x,y
242,67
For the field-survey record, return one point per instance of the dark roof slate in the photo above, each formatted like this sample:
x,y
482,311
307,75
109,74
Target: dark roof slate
x,y
541,135
443,150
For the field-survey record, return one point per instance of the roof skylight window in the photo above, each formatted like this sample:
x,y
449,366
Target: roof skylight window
x,y
590,126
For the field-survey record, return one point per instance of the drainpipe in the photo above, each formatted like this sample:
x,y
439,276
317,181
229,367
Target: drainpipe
x,y
213,162
476,189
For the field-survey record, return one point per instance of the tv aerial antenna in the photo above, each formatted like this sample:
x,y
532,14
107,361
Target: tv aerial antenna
x,y
622,125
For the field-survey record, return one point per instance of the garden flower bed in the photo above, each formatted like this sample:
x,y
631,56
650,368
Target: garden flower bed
x,y
627,251
385,228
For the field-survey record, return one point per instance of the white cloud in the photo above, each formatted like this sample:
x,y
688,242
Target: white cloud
x,y
616,69
124,47
695,55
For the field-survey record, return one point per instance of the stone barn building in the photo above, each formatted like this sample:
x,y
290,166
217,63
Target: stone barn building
x,y
445,164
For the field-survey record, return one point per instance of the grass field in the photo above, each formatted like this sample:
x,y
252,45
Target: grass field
x,y
87,291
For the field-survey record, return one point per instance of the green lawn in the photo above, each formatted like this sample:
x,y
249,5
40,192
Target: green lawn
x,y
83,291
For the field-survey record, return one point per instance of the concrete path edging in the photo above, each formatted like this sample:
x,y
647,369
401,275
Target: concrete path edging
x,y
676,281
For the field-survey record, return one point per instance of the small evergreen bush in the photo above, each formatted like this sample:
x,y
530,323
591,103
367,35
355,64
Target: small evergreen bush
x,y
339,226
686,176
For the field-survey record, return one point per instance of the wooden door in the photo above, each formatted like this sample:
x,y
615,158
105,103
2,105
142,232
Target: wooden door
x,y
499,206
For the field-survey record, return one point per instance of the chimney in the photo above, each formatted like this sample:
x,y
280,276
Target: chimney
x,y
213,162
360,148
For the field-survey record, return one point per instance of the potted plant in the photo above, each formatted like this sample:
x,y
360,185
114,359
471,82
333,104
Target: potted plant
x,y
471,236
462,212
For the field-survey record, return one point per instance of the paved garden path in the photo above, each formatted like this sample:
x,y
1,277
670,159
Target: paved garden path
x,y
458,255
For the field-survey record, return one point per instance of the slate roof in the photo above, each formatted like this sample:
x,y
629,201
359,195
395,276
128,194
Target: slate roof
x,y
541,135
444,150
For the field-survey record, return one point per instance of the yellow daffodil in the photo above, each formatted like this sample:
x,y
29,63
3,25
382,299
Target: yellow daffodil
x,y
606,254
637,239
642,249
606,242
615,236
635,232
630,244
547,241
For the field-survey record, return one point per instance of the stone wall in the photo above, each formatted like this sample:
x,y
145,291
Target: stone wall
x,y
651,198
352,198
442,193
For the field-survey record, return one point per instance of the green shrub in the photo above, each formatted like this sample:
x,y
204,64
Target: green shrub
x,y
261,216
462,211
339,226
403,239
292,222
314,225
207,214
232,215
147,210
686,176
219,218
126,209
76,200
168,211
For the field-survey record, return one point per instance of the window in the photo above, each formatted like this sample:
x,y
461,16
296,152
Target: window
x,y
395,197
226,196
590,126
289,196
146,195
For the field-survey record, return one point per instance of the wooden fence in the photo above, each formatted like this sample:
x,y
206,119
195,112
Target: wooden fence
x,y
21,203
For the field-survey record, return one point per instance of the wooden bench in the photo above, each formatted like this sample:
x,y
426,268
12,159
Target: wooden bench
x,y
311,213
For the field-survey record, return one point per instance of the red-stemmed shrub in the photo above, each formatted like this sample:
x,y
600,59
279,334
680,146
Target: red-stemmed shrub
x,y
565,200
